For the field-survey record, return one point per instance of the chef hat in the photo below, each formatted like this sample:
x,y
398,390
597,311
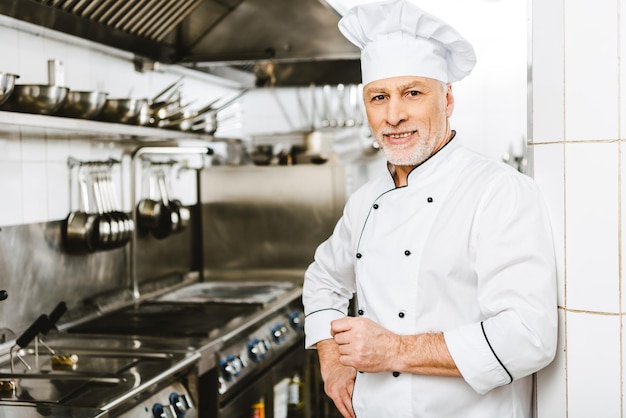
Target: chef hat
x,y
397,38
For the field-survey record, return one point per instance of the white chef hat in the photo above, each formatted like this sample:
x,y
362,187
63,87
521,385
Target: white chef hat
x,y
397,38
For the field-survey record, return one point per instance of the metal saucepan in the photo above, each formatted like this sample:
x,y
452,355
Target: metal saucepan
x,y
7,83
170,219
79,233
154,215
184,215
107,227
36,98
129,110
83,104
126,223
120,222
149,209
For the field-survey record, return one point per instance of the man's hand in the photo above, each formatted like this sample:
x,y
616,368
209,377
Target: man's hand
x,y
368,347
338,379
365,345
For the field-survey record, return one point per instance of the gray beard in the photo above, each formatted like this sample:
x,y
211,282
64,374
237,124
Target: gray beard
x,y
410,156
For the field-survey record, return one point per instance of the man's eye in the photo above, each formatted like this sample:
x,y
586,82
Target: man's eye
x,y
414,93
378,98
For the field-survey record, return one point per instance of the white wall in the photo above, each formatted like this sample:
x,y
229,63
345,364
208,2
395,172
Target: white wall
x,y
578,115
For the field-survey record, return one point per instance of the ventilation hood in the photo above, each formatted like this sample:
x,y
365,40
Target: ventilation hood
x,y
272,42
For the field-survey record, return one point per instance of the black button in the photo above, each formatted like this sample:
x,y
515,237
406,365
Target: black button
x,y
375,206
407,252
396,374
359,255
360,311
430,200
401,314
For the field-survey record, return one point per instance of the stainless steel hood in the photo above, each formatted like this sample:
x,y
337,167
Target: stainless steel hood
x,y
274,42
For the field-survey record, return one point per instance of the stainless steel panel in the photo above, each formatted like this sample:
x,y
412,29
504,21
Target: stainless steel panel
x,y
37,273
267,218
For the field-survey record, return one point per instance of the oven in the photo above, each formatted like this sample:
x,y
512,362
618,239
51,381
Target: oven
x,y
249,335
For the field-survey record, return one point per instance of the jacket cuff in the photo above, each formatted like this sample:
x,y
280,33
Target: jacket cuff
x,y
473,356
317,326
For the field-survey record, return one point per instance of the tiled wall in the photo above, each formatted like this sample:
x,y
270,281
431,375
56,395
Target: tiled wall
x,y
577,117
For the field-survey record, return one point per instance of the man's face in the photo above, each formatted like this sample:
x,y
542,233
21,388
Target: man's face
x,y
409,117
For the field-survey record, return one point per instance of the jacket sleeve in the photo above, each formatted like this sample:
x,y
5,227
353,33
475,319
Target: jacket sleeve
x,y
329,283
516,271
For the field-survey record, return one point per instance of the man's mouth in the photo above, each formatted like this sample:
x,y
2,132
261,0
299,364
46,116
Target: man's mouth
x,y
400,135
399,138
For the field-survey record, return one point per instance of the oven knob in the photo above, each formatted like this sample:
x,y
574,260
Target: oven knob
x,y
279,333
230,367
163,411
180,403
296,320
256,349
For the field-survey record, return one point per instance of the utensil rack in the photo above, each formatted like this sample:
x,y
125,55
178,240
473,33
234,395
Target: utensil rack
x,y
104,227
152,155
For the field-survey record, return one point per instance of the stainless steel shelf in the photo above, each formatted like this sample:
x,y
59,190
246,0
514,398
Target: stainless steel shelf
x,y
88,129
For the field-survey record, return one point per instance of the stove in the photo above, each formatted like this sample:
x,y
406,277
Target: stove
x,y
192,349
51,380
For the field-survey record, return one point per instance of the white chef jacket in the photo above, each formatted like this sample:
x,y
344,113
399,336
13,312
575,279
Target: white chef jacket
x,y
466,249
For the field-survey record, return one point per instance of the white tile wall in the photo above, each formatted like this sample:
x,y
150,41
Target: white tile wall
x,y
549,169
622,69
591,68
11,211
593,359
547,69
586,378
591,172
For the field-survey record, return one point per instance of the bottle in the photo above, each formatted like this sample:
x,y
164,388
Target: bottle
x,y
295,401
258,409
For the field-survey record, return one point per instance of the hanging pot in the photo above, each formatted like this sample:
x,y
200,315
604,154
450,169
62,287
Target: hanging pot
x,y
79,233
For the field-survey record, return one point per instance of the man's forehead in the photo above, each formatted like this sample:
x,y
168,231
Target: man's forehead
x,y
399,83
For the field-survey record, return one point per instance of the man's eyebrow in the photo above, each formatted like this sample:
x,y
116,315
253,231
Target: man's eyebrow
x,y
412,84
373,90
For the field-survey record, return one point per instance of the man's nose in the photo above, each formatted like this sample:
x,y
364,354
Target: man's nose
x,y
396,112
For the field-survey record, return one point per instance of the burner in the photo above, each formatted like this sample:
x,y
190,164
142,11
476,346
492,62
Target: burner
x,y
229,292
168,320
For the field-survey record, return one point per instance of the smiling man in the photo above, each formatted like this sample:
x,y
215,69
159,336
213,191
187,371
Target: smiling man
x,y
449,255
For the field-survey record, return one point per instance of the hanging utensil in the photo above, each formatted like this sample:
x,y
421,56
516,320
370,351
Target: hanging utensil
x,y
104,228
79,229
167,89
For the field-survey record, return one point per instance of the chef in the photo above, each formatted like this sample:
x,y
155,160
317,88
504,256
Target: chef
x,y
448,255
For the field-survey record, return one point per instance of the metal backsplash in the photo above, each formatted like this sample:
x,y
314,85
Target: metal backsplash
x,y
267,221
37,273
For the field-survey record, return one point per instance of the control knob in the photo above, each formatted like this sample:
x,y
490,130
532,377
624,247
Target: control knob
x,y
231,367
180,403
163,411
279,332
257,349
296,320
